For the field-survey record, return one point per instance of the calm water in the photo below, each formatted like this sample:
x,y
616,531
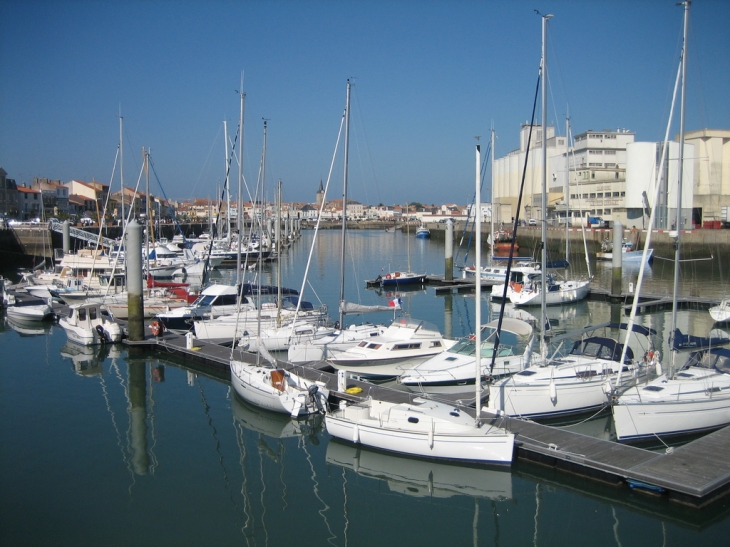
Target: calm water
x,y
105,447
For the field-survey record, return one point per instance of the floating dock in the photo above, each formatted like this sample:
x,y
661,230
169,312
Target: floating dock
x,y
695,474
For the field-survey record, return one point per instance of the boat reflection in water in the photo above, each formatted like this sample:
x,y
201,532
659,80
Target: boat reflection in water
x,y
89,360
28,328
274,424
421,477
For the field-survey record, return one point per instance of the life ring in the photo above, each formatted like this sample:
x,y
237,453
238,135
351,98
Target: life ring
x,y
648,356
157,328
387,276
517,287
472,337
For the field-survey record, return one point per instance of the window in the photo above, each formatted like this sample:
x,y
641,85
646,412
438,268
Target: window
x,y
92,313
593,195
615,194
585,196
599,195
616,174
593,175
623,194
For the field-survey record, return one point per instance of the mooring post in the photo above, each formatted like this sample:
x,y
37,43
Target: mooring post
x,y
617,251
135,300
449,251
66,237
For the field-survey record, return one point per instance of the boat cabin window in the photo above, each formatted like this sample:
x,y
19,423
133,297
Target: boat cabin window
x,y
406,346
226,300
92,313
718,358
601,348
204,300
526,373
82,314
653,388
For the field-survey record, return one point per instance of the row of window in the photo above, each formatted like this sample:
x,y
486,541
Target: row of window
x,y
599,195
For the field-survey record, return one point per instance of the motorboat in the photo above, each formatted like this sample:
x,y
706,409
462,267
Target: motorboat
x,y
27,309
332,344
628,253
88,325
214,301
398,278
405,343
453,371
721,312
422,232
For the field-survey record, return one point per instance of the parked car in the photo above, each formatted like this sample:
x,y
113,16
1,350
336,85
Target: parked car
x,y
532,222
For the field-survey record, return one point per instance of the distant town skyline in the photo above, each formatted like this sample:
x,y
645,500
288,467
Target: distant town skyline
x,y
428,77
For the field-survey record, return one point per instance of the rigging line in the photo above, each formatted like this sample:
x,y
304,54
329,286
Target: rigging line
x,y
169,203
151,414
214,434
263,493
325,507
105,394
241,441
507,275
207,161
367,145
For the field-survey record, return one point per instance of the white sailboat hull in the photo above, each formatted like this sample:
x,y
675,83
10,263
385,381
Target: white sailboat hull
x,y
635,422
565,293
429,429
258,386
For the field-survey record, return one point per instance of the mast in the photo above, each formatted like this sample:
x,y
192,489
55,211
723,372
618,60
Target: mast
x,y
344,204
225,184
678,221
239,214
491,228
543,267
145,155
121,162
566,192
278,258
478,287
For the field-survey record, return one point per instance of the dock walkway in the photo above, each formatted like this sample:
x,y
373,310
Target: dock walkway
x,y
695,474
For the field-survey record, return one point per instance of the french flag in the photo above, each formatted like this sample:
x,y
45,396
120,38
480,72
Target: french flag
x,y
395,303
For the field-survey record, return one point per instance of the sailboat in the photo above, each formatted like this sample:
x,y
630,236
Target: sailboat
x,y
583,380
424,427
267,384
695,398
326,345
398,278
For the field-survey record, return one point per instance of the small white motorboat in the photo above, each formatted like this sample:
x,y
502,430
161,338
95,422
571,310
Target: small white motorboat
x,y
88,325
721,312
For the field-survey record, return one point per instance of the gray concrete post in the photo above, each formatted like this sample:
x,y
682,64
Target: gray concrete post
x,y
135,298
617,256
449,251
66,237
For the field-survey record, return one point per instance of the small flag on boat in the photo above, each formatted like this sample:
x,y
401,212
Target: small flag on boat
x,y
395,303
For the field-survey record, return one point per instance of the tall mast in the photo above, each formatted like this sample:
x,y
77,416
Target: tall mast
x,y
239,214
678,217
226,186
566,192
478,286
145,156
344,203
543,267
491,228
121,162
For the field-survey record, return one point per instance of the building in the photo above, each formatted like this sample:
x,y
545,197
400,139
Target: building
x,y
8,196
711,173
30,203
55,196
608,175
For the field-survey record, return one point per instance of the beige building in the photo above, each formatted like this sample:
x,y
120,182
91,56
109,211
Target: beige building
x,y
711,173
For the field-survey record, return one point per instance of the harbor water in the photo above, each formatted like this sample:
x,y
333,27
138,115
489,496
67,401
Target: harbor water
x,y
116,446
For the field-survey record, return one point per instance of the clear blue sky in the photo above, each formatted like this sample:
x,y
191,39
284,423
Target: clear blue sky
x,y
429,76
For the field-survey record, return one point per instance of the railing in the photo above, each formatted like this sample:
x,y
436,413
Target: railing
x,y
83,235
